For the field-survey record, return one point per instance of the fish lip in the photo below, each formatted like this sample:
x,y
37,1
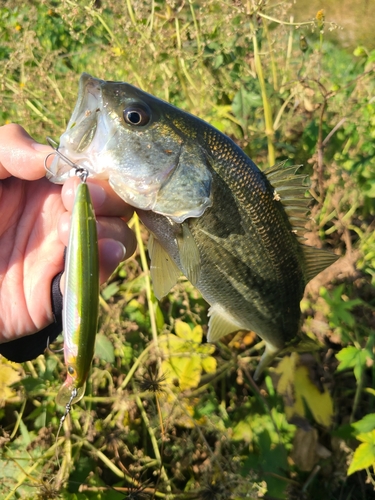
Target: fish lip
x,y
83,122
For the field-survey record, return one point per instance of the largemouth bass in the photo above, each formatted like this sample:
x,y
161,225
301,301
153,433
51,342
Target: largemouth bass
x,y
231,229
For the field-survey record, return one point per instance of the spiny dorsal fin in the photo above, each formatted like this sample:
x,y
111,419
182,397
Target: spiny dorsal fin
x,y
316,260
220,323
290,191
189,254
163,270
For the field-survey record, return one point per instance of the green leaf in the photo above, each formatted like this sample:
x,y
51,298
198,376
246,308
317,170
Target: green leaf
x,y
110,290
243,431
364,456
104,349
347,357
351,357
367,437
366,424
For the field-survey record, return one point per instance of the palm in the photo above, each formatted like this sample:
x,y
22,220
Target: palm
x,y
31,254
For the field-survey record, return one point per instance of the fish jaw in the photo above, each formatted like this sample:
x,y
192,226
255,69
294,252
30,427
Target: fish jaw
x,y
147,166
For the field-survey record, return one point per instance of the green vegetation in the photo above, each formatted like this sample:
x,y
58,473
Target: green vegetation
x,y
164,416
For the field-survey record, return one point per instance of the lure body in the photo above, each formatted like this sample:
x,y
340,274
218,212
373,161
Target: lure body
x,y
81,297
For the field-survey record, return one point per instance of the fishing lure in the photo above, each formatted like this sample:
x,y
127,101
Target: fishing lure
x,y
81,293
81,296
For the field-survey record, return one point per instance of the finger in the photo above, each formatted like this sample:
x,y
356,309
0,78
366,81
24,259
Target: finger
x,y
112,228
20,155
111,253
105,200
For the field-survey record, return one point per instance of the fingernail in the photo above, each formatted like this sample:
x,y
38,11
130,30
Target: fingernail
x,y
41,148
119,252
98,194
114,251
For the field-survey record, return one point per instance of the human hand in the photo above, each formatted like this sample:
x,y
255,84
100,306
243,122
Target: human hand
x,y
34,228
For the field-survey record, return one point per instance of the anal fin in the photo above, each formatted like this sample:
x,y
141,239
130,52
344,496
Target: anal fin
x,y
220,323
164,272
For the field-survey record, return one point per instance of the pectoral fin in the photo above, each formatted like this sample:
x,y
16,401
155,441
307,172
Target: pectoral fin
x,y
189,254
220,323
163,270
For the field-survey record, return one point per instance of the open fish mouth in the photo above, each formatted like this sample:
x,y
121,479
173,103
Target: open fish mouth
x,y
85,141
84,120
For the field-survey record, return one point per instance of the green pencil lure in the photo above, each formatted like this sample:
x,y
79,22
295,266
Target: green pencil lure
x,y
81,296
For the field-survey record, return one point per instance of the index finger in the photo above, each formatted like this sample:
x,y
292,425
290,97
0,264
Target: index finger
x,y
20,155
106,202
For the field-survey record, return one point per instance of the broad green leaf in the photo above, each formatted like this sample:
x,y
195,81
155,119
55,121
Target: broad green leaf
x,y
243,431
367,437
364,456
366,424
104,348
347,357
27,436
110,290
351,357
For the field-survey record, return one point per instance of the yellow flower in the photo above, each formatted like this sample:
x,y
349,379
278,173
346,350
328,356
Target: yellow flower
x,y
320,17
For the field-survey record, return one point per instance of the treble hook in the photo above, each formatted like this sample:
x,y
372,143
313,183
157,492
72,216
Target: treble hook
x,y
80,172
68,407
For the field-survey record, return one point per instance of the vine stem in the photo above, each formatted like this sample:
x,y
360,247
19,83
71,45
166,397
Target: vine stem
x,y
153,442
150,303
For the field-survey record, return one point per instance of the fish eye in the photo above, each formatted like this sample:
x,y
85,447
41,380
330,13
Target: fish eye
x,y
137,115
72,371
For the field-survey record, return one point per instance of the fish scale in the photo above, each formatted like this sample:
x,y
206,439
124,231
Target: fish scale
x,y
231,229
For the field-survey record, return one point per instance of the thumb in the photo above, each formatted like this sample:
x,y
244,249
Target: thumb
x,y
20,155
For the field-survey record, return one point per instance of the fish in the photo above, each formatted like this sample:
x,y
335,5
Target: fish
x,y
234,231
81,297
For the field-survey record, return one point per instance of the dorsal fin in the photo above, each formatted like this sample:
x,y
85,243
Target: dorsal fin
x,y
316,261
164,272
290,190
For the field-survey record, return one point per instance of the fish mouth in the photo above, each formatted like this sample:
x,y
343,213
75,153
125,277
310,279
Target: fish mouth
x,y
77,142
84,120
